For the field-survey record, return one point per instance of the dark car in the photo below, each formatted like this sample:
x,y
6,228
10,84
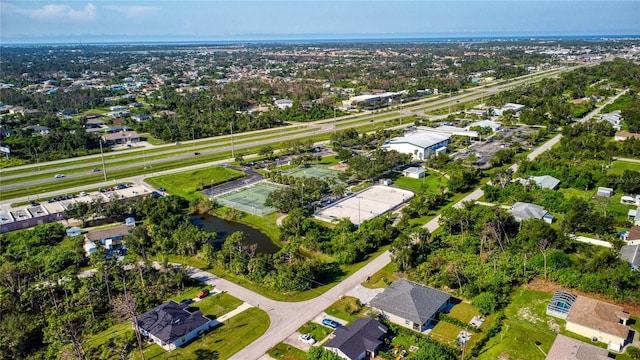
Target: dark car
x,y
196,153
95,169
330,323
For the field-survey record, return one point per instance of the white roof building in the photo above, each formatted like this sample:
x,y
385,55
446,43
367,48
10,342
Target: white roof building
x,y
419,144
485,123
284,103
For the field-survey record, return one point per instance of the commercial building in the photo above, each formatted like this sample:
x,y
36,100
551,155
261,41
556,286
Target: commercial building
x,y
419,144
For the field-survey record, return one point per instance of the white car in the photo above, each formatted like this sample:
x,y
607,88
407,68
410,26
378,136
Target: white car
x,y
306,338
59,176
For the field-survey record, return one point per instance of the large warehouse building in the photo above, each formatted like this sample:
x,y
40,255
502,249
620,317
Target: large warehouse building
x,y
419,144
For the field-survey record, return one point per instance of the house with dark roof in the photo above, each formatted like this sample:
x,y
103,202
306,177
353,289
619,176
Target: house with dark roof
x,y
358,341
566,348
171,325
410,304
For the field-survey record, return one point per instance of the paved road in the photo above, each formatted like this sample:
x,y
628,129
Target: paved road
x,y
286,317
318,127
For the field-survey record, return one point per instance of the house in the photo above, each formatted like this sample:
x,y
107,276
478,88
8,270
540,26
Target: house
x,y
543,182
599,321
110,239
89,248
94,123
171,325
74,231
624,135
419,144
634,216
522,211
410,304
414,172
633,236
141,117
604,192
284,103
613,118
566,348
37,129
358,341
631,254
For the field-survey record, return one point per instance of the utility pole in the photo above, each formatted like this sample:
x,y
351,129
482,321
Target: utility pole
x,y
232,150
335,120
104,168
373,160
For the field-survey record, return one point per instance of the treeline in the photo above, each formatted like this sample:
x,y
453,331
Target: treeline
x,y
48,311
483,253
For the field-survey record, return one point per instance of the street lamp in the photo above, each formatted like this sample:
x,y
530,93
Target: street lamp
x,y
373,160
104,168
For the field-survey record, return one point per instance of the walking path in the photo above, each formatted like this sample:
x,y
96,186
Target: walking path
x,y
244,306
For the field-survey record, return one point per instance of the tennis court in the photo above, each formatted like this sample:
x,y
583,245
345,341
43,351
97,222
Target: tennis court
x,y
365,205
249,199
317,172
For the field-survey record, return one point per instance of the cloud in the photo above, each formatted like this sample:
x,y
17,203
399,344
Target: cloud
x,y
61,13
132,12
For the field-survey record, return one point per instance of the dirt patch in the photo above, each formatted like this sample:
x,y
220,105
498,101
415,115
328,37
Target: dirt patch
x,y
553,325
631,305
339,167
526,314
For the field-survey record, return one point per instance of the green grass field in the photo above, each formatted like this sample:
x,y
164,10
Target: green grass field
x,y
382,278
432,182
187,184
619,166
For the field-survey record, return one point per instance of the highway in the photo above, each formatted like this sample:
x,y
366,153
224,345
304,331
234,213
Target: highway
x,y
185,151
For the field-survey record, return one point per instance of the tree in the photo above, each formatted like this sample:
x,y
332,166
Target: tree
x,y
485,302
544,245
125,306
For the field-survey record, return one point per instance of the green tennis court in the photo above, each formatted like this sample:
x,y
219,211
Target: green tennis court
x,y
250,199
318,172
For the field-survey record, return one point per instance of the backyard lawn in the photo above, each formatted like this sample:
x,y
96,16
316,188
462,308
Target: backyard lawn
x,y
188,183
526,322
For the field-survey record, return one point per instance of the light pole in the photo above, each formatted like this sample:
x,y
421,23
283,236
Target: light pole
x,y
232,150
359,197
37,159
104,168
373,160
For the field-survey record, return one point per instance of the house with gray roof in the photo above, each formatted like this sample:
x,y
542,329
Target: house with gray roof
x,y
631,254
522,211
358,341
410,304
171,325
543,182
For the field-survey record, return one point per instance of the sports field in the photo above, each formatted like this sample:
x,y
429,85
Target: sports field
x,y
250,199
317,172
365,205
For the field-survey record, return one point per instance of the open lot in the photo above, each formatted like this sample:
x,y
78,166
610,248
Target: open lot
x,y
188,183
365,205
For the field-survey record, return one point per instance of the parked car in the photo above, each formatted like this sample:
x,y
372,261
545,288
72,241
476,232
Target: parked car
x,y
330,323
306,338
95,169
203,293
196,153
59,176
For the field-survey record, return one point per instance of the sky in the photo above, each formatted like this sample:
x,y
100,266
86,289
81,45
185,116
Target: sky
x,y
42,21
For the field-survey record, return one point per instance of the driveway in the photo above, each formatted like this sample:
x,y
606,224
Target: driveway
x,y
363,294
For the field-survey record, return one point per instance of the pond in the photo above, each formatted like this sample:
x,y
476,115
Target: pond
x,y
224,228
